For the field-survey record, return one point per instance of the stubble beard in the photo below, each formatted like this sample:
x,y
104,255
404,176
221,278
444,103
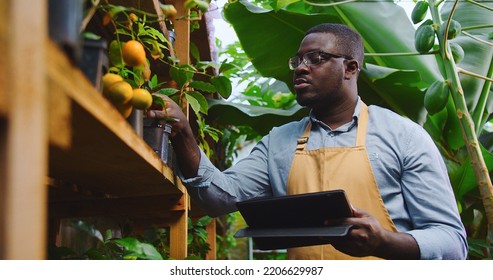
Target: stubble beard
x,y
320,101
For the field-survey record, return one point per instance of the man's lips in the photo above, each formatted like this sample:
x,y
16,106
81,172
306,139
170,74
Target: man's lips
x,y
301,83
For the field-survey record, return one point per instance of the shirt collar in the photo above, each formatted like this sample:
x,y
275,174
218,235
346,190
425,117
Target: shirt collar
x,y
344,128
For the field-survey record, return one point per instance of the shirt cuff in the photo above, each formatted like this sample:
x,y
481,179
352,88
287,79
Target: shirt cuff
x,y
432,247
204,173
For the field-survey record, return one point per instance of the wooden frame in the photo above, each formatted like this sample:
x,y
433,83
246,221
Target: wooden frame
x,y
54,124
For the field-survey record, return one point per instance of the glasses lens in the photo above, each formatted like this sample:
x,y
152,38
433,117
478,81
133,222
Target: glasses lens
x,y
311,58
294,62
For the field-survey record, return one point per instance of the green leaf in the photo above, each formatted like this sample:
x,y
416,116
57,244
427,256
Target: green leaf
x,y
396,89
223,85
283,3
130,244
478,56
469,182
202,222
94,254
203,65
225,67
201,233
90,35
452,131
182,74
115,54
149,252
168,91
435,125
197,101
194,51
261,119
153,33
203,86
269,53
138,250
114,10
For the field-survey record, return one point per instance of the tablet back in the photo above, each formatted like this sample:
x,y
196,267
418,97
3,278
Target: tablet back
x,y
302,210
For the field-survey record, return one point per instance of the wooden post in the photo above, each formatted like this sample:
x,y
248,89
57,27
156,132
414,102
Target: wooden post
x,y
211,239
23,141
179,227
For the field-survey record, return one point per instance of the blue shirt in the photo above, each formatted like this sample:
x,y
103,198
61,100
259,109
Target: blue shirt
x,y
408,168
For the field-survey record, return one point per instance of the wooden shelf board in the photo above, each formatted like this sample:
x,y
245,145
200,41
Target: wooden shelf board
x,y
159,207
92,145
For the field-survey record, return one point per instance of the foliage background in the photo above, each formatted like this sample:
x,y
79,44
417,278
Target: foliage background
x,y
394,76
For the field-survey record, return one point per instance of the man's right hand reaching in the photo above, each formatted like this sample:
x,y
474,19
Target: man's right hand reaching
x,y
182,138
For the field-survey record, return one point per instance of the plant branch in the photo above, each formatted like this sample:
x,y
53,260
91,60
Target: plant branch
x,y
479,4
477,26
472,74
445,35
438,3
329,4
466,123
89,15
401,54
164,29
479,112
477,39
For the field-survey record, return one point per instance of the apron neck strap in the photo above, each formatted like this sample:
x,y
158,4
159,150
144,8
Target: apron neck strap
x,y
303,140
362,125
360,134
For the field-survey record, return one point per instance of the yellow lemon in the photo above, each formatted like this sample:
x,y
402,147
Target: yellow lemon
x,y
169,11
142,99
124,109
120,92
133,53
108,80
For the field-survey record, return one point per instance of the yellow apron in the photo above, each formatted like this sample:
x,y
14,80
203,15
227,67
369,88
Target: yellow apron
x,y
346,168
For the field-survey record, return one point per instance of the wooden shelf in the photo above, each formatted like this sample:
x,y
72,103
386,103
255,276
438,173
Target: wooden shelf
x,y
91,145
65,151
98,164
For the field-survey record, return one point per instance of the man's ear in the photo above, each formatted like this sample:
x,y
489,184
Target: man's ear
x,y
352,68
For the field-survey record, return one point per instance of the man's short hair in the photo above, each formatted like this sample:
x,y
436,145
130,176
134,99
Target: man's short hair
x,y
347,39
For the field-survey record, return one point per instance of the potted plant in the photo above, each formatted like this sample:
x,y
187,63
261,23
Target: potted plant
x,y
141,53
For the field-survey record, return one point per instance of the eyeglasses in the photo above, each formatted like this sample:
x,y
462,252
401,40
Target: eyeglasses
x,y
313,58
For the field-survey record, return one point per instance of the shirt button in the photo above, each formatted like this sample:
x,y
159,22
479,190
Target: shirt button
x,y
331,134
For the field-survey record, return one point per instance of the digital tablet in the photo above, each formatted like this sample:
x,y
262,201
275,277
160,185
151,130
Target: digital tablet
x,y
295,220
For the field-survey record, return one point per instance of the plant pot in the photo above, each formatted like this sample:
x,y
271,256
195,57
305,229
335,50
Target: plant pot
x,y
94,61
136,120
156,135
172,36
64,23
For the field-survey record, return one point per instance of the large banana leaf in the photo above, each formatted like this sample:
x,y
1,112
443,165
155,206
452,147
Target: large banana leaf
x,y
479,56
269,38
445,127
261,119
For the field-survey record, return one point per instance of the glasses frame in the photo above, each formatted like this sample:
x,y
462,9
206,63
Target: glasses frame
x,y
321,57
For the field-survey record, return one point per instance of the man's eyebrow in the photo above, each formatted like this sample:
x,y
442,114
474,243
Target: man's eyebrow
x,y
312,50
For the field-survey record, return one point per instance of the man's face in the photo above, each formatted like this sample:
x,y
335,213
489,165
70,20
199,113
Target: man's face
x,y
319,85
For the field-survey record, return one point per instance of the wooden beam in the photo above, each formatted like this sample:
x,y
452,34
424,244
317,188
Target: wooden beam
x,y
130,207
23,191
179,230
211,239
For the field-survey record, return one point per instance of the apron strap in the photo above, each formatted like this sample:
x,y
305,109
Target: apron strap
x,y
362,125
303,140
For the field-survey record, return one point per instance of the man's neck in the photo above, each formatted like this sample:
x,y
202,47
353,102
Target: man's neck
x,y
339,115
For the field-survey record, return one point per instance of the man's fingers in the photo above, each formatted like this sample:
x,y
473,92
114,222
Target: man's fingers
x,y
358,213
